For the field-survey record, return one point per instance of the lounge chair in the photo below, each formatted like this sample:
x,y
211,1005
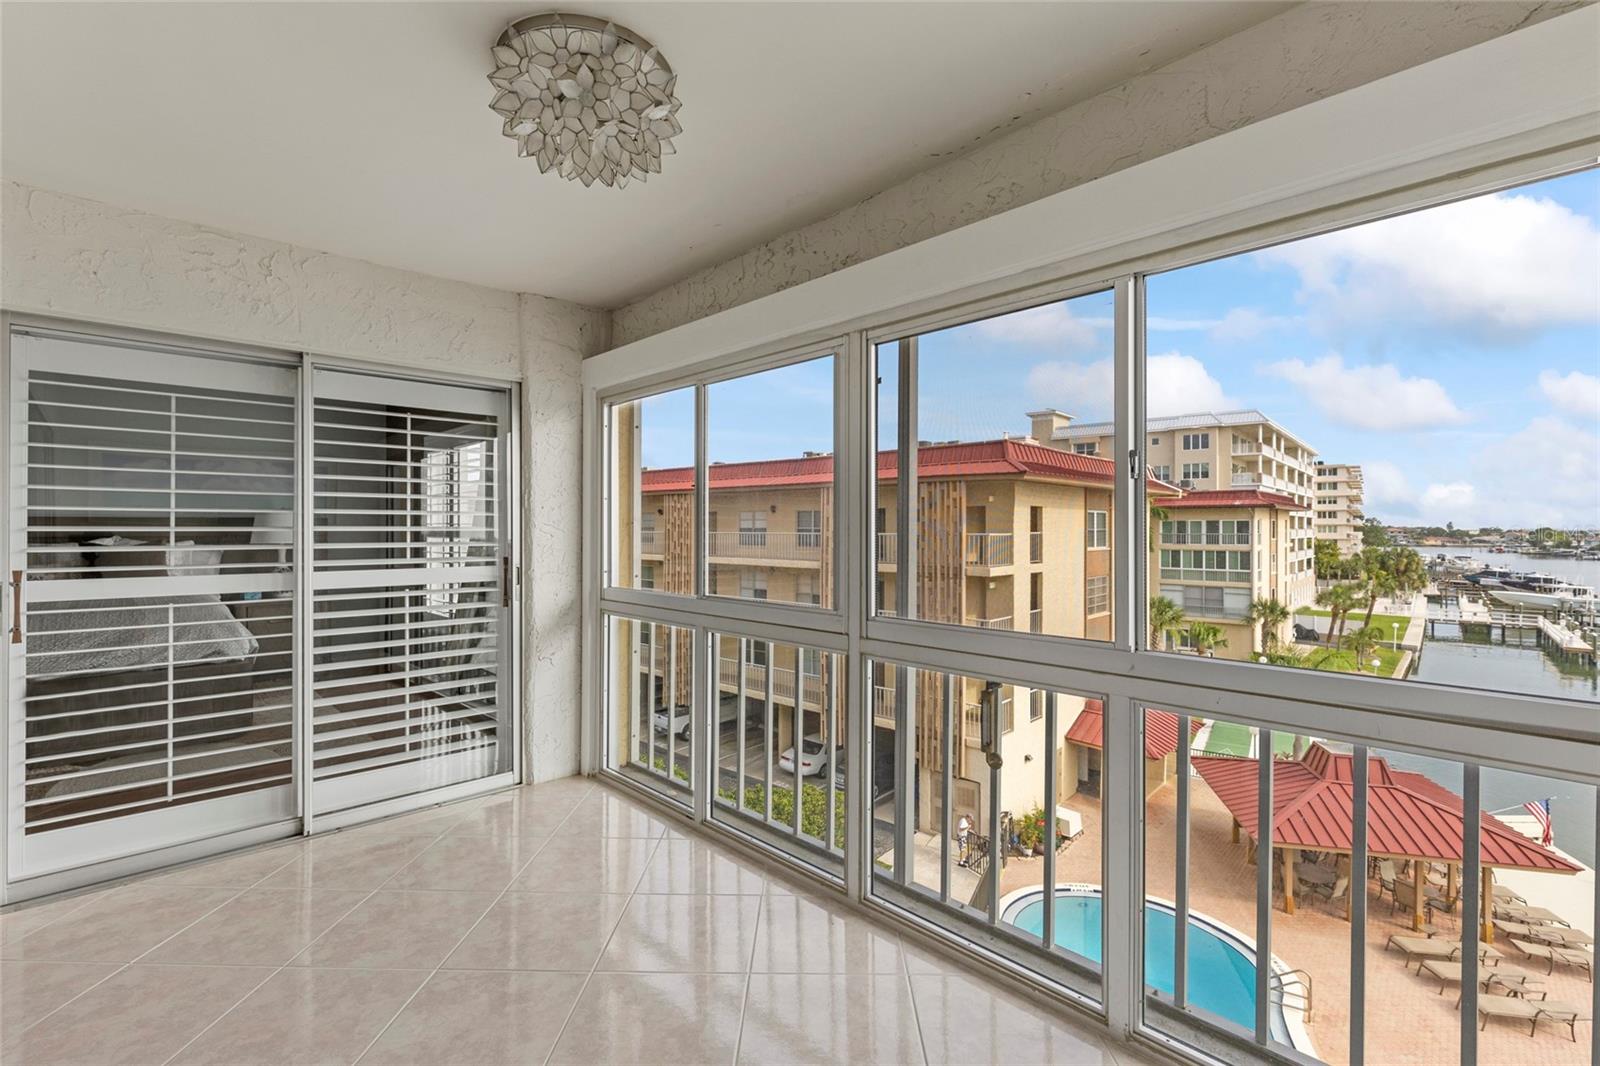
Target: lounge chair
x,y
1424,948
1502,894
1334,892
1531,1012
1386,878
1512,984
1552,954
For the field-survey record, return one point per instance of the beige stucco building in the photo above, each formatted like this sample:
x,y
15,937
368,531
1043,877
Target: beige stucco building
x,y
1338,505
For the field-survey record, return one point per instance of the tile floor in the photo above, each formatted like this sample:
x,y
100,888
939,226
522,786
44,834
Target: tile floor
x,y
559,923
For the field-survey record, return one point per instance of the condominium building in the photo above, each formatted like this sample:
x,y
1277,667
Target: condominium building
x,y
1338,505
1010,535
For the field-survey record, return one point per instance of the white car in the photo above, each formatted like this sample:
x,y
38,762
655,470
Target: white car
x,y
813,758
677,724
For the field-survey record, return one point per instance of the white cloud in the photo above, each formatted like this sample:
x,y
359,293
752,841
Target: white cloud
x,y
1386,485
1448,499
1176,384
1239,324
1574,393
1049,324
1375,396
1500,266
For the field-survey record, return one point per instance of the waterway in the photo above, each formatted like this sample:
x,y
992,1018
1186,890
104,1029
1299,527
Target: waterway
x,y
1522,668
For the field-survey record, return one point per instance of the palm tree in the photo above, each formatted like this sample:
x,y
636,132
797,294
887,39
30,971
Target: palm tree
x,y
1340,600
1166,618
1158,515
1205,637
1271,614
1362,642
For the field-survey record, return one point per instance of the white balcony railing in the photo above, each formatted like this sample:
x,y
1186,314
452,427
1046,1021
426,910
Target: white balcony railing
x,y
1246,447
1246,479
887,545
1036,547
883,706
1001,622
755,681
766,545
651,542
1036,620
989,549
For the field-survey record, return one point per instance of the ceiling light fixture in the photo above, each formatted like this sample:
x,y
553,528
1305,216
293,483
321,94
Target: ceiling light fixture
x,y
589,98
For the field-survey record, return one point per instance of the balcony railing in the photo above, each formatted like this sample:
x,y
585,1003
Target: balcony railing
x,y
1036,620
1036,547
989,549
1246,479
883,706
768,546
1002,622
650,542
755,681
1246,447
887,545
972,721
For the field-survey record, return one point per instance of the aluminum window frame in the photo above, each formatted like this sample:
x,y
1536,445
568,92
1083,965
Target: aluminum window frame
x,y
1538,735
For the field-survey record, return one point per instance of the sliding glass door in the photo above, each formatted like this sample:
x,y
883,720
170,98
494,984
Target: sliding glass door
x,y
411,589
151,626
177,681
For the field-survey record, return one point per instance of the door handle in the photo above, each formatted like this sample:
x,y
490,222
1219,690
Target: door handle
x,y
16,606
505,581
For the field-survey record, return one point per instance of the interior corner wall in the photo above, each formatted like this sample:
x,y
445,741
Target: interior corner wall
x,y
556,337
1310,52
73,258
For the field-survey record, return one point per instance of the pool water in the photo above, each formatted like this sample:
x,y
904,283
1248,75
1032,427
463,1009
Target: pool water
x,y
1222,979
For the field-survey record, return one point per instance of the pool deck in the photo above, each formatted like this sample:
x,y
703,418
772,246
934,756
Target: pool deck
x,y
1409,1021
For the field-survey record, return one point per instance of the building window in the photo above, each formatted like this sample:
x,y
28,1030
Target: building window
x,y
1204,601
752,529
1205,565
1097,595
1086,449
1095,533
1196,471
647,576
805,589
1195,442
753,584
1161,473
808,529
755,652
1036,705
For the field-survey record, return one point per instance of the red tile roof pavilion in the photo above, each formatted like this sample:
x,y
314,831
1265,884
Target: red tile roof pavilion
x,y
1160,730
1408,815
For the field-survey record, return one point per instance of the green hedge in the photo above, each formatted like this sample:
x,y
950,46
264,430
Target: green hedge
x,y
813,810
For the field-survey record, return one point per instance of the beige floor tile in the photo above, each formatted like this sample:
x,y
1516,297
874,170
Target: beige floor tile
x,y
586,864
515,816
230,871
260,927
562,788
30,990
540,931
693,866
964,1020
479,1019
349,861
143,1014
305,1017
654,1019
603,814
32,917
398,931
921,960
467,864
803,935
684,934
828,1018
119,924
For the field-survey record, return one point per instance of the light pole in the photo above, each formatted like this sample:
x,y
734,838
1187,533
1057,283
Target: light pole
x,y
1376,662
1396,627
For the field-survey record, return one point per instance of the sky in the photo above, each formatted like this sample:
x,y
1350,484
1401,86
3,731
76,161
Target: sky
x,y
1453,353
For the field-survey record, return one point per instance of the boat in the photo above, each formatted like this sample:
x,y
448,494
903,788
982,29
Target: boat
x,y
1491,577
1544,592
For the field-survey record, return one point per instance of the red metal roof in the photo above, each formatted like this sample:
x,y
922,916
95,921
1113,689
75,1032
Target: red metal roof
x,y
1235,498
1160,730
1407,814
1008,457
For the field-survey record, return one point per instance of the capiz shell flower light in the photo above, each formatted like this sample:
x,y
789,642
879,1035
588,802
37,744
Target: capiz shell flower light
x,y
588,98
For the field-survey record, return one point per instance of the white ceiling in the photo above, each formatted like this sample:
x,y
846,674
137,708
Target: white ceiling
x,y
365,130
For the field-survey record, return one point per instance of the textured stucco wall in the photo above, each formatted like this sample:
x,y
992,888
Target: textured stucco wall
x,y
556,336
75,258
1305,54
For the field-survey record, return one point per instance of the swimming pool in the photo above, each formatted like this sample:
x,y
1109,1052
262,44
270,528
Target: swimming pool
x,y
1222,971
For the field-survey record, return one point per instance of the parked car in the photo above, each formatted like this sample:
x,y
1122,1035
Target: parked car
x,y
813,758
677,723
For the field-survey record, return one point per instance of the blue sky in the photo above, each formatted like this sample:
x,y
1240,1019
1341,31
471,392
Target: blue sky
x,y
1454,353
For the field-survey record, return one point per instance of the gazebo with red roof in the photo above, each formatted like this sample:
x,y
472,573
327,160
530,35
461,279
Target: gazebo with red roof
x,y
1160,739
1409,817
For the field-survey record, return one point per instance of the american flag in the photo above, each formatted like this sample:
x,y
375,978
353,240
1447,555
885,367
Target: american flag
x,y
1540,809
